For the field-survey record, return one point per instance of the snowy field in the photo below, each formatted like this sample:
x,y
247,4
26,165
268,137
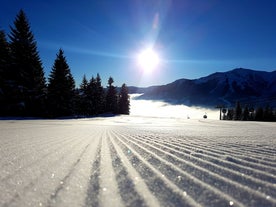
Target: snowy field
x,y
137,161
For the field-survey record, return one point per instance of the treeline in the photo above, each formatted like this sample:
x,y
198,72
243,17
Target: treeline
x,y
24,90
247,113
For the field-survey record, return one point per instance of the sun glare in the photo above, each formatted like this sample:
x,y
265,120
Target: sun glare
x,y
148,60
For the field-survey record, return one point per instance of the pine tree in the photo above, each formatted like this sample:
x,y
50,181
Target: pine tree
x,y
238,111
268,113
61,88
91,96
4,58
124,102
81,98
251,113
245,116
99,95
111,97
84,85
259,114
4,70
26,69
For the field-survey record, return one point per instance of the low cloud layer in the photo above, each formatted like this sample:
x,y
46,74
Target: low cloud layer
x,y
163,109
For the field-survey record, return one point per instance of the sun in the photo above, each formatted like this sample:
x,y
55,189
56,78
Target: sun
x,y
148,60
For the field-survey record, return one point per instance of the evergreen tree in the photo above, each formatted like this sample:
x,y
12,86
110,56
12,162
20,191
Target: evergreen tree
x,y
91,96
4,70
61,88
111,97
26,72
274,115
124,102
245,116
238,111
259,114
268,113
81,100
99,96
4,58
251,113
84,85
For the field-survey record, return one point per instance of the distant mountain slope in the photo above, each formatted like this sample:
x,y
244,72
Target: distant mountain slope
x,y
221,88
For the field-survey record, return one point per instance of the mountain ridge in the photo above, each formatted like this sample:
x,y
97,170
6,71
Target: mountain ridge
x,y
250,87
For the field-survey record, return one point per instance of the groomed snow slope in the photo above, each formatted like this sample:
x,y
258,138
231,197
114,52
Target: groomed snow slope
x,y
137,161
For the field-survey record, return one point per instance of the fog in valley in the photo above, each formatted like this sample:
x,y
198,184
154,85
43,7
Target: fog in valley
x,y
151,108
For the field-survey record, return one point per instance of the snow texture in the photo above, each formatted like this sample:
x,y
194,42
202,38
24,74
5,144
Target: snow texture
x,y
137,161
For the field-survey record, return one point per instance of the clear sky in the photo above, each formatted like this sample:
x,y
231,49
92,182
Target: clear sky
x,y
192,38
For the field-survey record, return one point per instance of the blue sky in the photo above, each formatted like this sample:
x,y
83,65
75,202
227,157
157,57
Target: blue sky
x,y
193,38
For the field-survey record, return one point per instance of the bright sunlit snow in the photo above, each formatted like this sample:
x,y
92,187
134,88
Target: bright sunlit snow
x,y
137,161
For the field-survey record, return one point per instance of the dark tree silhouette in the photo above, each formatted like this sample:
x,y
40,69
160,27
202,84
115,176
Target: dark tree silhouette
x,y
4,58
268,113
111,97
259,114
124,102
249,114
84,84
61,88
81,99
91,96
99,96
23,90
245,114
238,111
4,74
26,70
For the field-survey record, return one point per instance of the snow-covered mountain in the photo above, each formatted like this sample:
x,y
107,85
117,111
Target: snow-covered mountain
x,y
250,87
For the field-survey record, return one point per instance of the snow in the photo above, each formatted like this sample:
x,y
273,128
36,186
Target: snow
x,y
137,161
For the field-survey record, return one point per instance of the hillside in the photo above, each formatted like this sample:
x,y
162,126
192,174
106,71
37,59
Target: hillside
x,y
222,88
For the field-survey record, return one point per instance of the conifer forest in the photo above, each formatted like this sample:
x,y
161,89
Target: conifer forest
x,y
25,91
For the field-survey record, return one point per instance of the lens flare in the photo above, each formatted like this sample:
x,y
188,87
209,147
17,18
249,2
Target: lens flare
x,y
148,60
